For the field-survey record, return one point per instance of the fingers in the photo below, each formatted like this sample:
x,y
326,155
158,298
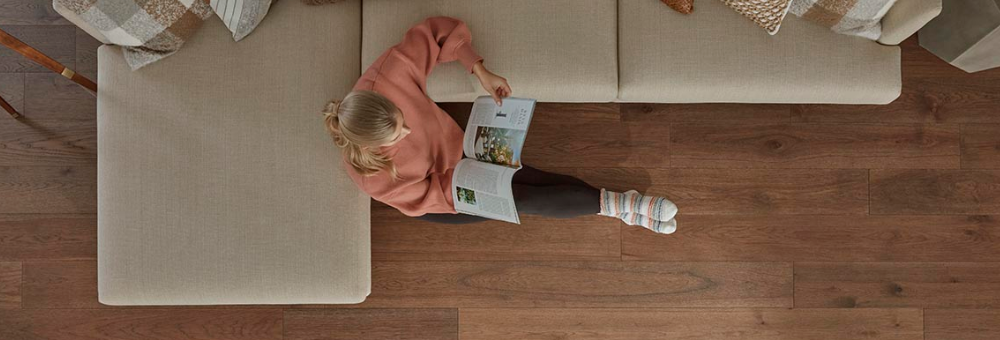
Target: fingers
x,y
506,88
496,97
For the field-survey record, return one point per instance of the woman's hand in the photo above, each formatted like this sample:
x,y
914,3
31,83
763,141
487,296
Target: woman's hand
x,y
495,85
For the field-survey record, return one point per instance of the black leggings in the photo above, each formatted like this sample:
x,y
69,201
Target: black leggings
x,y
537,192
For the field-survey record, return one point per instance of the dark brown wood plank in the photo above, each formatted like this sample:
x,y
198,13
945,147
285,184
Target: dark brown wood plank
x,y
742,191
814,146
743,324
12,90
396,237
981,146
48,190
953,238
895,284
933,92
49,96
60,284
935,192
152,324
549,112
56,41
742,113
29,12
10,285
30,142
371,324
962,324
561,133
49,237
86,55
579,284
594,144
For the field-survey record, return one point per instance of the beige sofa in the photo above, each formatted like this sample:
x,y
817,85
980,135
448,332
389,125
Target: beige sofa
x,y
218,184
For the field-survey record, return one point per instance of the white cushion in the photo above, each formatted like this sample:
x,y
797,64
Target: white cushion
x,y
217,183
552,50
716,55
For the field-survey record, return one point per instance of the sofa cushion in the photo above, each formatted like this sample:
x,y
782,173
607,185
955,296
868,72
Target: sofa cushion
x,y
217,182
722,57
553,50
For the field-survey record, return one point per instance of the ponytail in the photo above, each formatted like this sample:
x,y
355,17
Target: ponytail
x,y
365,158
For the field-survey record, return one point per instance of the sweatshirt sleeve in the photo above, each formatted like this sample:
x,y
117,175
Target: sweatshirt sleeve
x,y
438,40
432,195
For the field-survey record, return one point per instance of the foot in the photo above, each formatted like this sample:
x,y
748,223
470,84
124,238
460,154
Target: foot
x,y
659,208
664,227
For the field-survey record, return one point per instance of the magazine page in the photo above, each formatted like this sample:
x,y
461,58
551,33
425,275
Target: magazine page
x,y
496,134
484,189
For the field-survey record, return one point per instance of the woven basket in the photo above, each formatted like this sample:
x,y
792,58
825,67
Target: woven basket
x,y
766,13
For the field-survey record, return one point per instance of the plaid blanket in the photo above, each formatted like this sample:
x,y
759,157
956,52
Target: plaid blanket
x,y
148,30
862,18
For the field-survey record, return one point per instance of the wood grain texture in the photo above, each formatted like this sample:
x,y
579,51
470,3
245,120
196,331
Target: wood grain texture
x,y
549,112
371,324
895,284
49,96
60,284
962,324
55,41
48,190
49,237
592,144
743,324
579,284
12,90
10,285
742,191
722,113
396,237
151,324
814,146
29,12
819,238
935,192
86,54
30,142
981,146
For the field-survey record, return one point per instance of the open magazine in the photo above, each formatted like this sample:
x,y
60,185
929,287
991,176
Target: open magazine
x,y
481,184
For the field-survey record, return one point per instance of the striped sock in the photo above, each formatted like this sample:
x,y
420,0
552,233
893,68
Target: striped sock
x,y
614,203
664,227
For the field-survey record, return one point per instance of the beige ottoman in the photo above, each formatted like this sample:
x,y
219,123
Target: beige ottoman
x,y
217,182
552,50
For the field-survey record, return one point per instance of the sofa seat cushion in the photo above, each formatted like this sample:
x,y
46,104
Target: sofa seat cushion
x,y
553,50
714,55
217,183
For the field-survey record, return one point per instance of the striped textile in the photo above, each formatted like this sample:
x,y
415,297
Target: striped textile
x,y
147,30
241,16
861,18
768,14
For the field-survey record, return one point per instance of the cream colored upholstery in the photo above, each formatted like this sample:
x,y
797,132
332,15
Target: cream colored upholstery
x,y
906,17
217,181
552,50
714,55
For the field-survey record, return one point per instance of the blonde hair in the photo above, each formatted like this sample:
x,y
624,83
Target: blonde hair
x,y
359,124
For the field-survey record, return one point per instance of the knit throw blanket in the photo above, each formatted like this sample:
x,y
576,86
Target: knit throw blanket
x,y
862,18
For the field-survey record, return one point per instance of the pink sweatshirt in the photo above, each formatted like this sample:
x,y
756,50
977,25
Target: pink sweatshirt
x,y
426,158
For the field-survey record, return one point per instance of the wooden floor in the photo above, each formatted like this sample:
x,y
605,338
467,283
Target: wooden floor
x,y
797,222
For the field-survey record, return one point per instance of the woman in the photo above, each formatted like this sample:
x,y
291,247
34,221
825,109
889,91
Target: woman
x,y
401,148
